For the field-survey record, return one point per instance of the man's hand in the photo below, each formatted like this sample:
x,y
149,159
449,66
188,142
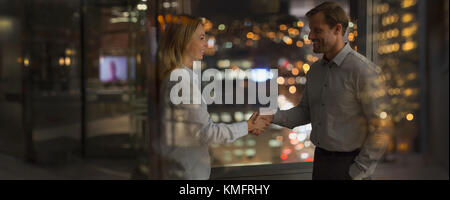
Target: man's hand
x,y
256,126
267,118
261,120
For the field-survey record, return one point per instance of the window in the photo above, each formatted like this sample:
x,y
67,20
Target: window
x,y
258,35
395,50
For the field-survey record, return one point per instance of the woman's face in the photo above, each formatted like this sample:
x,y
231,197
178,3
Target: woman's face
x,y
197,45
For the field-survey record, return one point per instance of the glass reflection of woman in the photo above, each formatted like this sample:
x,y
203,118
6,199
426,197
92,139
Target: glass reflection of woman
x,y
187,128
112,69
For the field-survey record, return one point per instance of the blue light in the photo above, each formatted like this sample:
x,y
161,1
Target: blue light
x,y
260,74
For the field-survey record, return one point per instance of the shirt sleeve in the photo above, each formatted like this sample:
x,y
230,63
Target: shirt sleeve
x,y
197,122
296,116
204,129
371,92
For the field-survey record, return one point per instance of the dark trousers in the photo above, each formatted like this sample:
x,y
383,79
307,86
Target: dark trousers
x,y
332,165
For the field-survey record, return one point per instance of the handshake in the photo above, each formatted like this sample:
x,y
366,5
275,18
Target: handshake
x,y
257,123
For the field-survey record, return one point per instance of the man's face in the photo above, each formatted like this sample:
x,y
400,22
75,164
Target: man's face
x,y
323,37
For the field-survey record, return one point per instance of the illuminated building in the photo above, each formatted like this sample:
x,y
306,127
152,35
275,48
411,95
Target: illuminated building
x,y
397,55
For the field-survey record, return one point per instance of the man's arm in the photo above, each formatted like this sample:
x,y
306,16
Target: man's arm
x,y
368,82
296,116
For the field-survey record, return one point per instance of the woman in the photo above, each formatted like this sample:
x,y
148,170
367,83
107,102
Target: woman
x,y
188,128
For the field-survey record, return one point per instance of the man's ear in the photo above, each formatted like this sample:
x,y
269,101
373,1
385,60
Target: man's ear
x,y
338,29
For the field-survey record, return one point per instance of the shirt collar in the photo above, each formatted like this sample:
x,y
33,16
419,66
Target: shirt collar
x,y
339,58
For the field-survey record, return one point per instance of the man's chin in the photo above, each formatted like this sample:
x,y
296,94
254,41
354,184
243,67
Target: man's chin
x,y
317,50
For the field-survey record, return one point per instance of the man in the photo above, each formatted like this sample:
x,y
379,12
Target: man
x,y
344,100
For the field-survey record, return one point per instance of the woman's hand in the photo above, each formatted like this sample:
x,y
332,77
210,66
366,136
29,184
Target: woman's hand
x,y
256,124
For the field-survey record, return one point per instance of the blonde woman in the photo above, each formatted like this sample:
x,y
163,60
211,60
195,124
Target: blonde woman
x,y
187,128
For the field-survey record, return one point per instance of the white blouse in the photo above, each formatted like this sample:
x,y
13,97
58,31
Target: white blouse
x,y
187,131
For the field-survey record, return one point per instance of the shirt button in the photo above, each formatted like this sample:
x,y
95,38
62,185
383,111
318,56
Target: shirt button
x,y
325,85
323,104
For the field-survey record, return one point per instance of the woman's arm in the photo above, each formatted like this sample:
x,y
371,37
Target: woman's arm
x,y
197,122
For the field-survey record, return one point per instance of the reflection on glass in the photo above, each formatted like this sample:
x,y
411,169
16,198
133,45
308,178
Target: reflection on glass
x,y
276,39
395,41
113,68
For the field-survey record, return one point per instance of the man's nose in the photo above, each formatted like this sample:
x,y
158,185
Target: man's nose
x,y
310,36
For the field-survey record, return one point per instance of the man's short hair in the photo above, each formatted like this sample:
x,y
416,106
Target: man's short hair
x,y
334,14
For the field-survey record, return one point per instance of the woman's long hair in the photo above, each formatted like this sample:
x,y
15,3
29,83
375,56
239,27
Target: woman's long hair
x,y
174,39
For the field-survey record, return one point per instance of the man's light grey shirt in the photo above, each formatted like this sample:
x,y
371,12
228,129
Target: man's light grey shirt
x,y
340,103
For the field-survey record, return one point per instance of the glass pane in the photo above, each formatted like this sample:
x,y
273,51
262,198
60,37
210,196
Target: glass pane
x,y
46,45
107,78
396,52
52,79
12,139
116,92
258,35
40,81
